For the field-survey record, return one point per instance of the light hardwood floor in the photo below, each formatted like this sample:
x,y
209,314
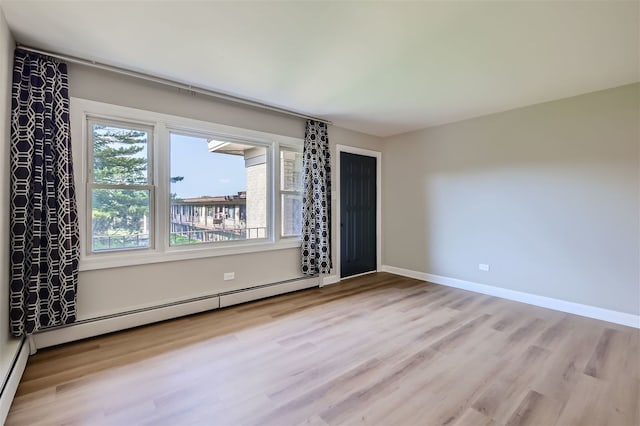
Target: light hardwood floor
x,y
376,350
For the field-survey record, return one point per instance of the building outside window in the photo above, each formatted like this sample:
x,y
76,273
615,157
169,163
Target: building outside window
x,y
218,191
291,191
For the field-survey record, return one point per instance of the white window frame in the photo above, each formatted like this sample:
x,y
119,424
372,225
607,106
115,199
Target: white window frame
x,y
91,185
290,148
159,149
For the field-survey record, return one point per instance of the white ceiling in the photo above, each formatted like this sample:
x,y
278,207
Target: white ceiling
x,y
381,68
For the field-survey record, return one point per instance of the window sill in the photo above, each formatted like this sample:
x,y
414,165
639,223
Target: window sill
x,y
136,257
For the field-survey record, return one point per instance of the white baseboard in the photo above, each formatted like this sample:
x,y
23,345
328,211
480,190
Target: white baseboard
x,y
519,296
11,385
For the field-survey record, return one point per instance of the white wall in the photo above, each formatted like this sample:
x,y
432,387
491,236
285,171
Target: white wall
x,y
547,195
8,345
114,290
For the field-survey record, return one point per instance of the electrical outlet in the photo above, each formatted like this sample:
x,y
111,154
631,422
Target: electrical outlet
x,y
229,276
483,267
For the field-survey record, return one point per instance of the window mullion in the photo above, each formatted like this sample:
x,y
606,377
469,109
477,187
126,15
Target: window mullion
x,y
162,175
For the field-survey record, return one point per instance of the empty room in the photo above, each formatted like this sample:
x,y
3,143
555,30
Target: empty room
x,y
320,212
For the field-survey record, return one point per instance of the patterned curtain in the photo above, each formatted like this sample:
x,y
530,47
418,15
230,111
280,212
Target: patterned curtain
x,y
44,221
316,203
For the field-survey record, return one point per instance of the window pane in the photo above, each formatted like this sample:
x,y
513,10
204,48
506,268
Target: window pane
x,y
291,215
120,219
290,171
120,155
218,191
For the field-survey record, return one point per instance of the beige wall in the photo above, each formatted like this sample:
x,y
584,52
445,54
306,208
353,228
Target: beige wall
x,y
107,291
547,195
8,345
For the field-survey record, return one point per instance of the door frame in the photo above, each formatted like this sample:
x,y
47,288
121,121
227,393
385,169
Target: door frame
x,y
378,156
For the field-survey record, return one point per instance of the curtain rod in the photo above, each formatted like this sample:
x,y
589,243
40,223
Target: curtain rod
x,y
171,83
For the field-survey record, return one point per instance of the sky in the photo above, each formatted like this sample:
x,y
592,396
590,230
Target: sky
x,y
204,173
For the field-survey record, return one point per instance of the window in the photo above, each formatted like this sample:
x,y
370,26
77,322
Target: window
x,y
121,186
156,187
218,190
291,192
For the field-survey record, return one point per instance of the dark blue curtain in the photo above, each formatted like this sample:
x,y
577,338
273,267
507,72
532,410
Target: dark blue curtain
x,y
44,220
316,202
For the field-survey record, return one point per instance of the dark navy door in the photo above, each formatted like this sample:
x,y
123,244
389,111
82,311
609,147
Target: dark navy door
x,y
357,214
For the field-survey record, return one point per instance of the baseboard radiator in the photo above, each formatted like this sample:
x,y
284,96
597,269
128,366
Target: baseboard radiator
x,y
12,379
121,321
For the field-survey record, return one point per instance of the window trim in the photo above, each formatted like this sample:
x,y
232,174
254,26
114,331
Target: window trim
x,y
159,147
